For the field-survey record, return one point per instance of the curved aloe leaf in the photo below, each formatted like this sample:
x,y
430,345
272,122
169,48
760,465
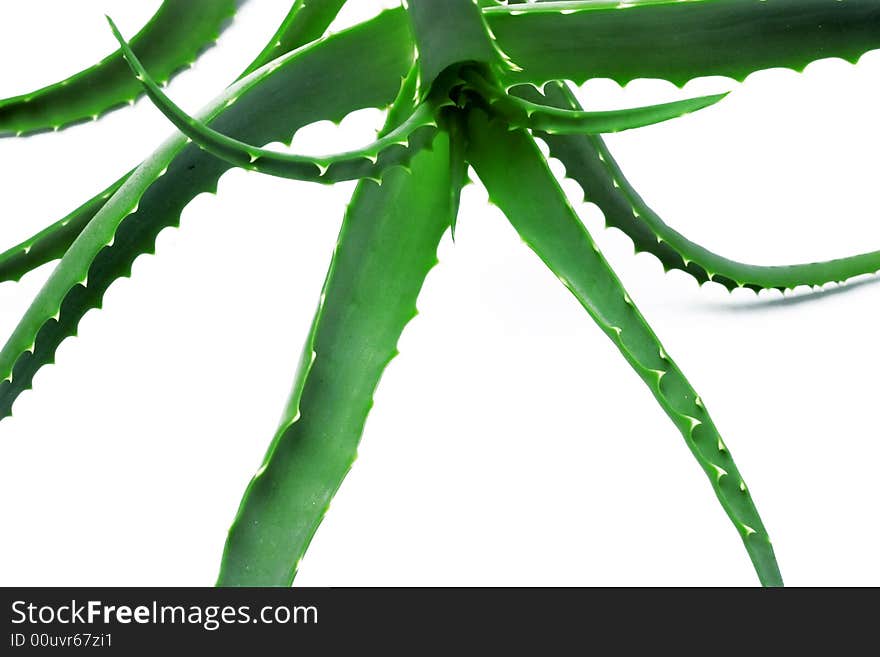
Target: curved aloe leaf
x,y
172,39
537,208
565,122
524,113
386,247
393,149
304,23
678,40
588,161
270,106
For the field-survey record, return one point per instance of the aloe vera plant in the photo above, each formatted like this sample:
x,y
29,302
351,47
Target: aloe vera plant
x,y
468,85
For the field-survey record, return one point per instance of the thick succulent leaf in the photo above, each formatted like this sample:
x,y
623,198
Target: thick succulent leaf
x,y
448,34
588,161
565,122
524,113
52,242
316,83
172,39
678,40
458,166
393,149
306,21
303,24
386,247
519,181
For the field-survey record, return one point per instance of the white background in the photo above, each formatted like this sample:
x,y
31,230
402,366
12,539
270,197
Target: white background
x,y
510,442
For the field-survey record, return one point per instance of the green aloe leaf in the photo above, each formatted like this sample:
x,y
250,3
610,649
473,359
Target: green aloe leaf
x,y
519,181
471,72
448,34
52,242
458,165
678,40
268,105
588,161
523,113
565,122
172,39
387,246
395,148
304,23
